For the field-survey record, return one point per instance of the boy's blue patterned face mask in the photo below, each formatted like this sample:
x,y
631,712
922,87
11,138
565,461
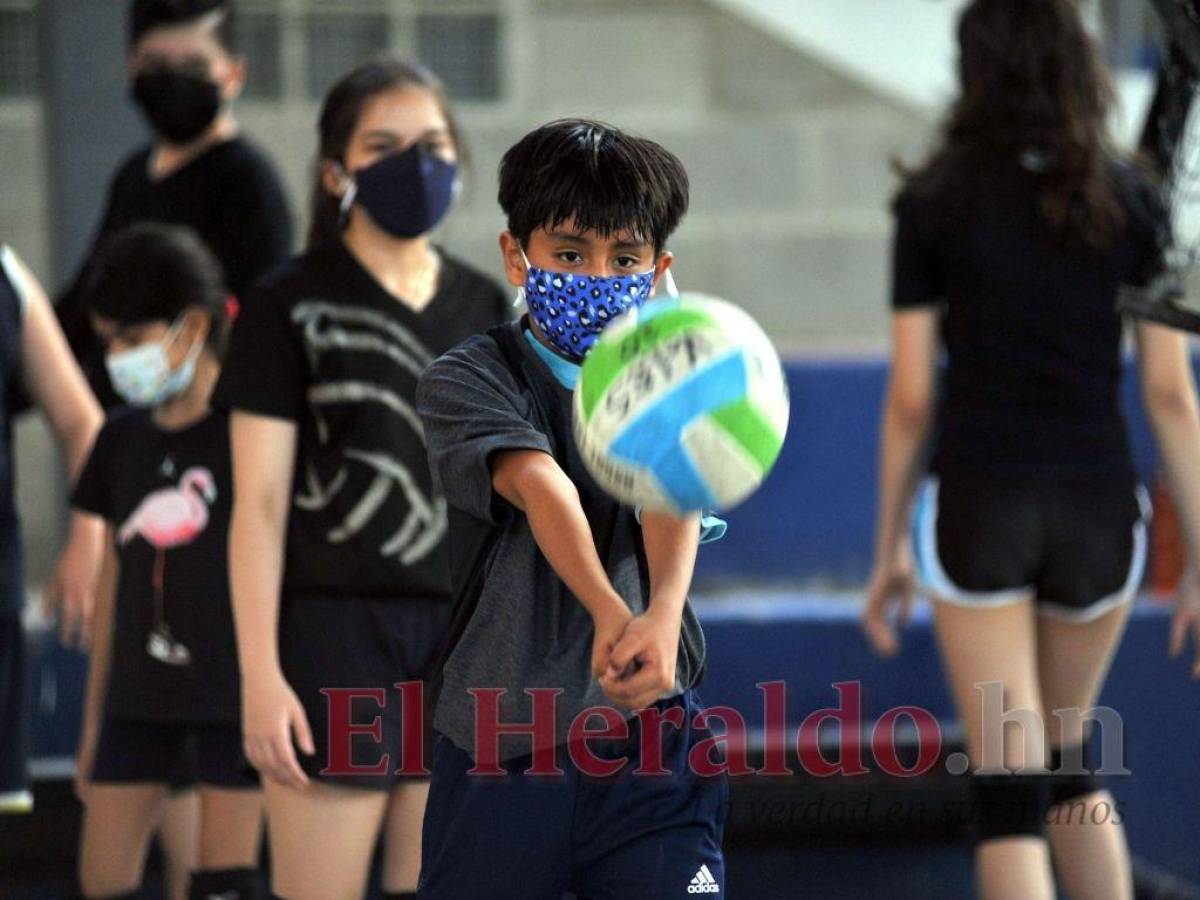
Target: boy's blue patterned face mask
x,y
571,310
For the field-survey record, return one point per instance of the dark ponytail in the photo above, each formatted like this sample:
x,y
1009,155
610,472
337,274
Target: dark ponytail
x,y
339,117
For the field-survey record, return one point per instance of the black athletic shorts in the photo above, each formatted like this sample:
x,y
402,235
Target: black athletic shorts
x,y
132,752
15,726
1077,547
339,643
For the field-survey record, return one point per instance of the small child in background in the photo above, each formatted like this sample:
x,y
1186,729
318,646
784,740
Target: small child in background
x,y
162,692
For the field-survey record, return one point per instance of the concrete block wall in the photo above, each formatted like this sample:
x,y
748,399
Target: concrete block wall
x,y
23,201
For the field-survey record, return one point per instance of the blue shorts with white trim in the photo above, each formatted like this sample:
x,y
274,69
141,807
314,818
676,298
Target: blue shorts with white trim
x,y
1075,546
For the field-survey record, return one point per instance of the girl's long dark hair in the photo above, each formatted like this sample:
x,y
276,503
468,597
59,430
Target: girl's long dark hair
x,y
1034,102
339,117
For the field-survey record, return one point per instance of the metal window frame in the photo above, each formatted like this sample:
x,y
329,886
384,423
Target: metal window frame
x,y
21,100
402,17
265,7
474,11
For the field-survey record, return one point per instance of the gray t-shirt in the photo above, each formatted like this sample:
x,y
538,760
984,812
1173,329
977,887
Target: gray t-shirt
x,y
516,625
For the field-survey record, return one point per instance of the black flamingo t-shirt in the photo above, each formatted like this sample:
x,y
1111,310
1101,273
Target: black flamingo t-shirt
x,y
166,495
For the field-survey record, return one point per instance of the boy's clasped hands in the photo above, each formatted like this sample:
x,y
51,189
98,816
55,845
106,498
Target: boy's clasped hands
x,y
634,657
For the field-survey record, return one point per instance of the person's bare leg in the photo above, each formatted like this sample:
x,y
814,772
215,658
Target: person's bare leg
x,y
179,840
402,837
997,644
118,823
1086,836
322,838
231,823
230,828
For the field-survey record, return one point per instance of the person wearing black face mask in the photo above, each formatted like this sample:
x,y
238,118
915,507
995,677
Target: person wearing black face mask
x,y
197,170
179,105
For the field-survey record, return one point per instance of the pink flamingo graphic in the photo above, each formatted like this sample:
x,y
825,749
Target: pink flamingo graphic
x,y
167,518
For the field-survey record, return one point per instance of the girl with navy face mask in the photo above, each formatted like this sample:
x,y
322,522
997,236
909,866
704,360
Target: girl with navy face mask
x,y
338,546
162,692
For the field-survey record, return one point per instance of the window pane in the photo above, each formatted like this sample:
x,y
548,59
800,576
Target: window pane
x,y
18,53
464,50
258,40
339,41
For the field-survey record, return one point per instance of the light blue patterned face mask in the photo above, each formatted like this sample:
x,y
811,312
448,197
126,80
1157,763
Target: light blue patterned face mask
x,y
142,375
571,310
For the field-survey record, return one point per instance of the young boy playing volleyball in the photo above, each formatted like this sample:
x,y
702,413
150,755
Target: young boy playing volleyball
x,y
557,586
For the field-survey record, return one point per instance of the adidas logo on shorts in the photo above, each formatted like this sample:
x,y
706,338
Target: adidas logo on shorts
x,y
704,883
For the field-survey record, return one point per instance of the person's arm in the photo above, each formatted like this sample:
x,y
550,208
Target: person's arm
x,y
908,413
71,591
53,378
264,451
57,387
490,461
642,668
1169,395
99,664
534,483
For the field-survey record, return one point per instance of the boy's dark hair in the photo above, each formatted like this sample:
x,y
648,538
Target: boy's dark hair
x,y
597,175
145,15
151,272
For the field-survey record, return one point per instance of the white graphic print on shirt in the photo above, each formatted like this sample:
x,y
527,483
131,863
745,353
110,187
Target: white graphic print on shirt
x,y
368,344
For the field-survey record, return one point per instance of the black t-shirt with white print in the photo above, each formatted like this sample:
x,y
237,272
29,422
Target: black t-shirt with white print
x,y
322,344
167,495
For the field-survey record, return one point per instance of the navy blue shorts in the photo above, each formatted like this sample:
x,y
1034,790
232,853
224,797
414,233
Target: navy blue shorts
x,y
626,837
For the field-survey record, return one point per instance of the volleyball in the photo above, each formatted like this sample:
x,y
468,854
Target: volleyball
x,y
681,405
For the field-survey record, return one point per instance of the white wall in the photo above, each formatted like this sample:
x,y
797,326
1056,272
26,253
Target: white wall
x,y
901,49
